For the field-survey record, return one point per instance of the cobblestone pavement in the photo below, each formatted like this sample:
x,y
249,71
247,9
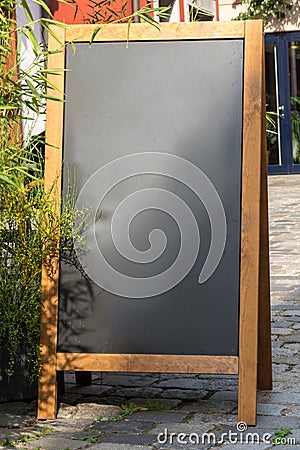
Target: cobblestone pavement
x,y
92,416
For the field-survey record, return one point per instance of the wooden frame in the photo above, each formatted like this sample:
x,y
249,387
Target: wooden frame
x,y
254,320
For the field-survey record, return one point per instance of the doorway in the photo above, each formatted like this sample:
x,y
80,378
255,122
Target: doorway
x,y
283,102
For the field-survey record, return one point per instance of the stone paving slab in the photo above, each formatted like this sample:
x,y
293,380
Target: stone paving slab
x,y
272,422
16,414
270,409
56,443
124,426
65,425
187,428
183,383
125,381
246,446
283,398
94,389
147,392
225,395
293,410
277,324
17,434
214,418
132,439
160,416
184,394
175,446
217,384
163,403
111,446
211,406
289,447
283,386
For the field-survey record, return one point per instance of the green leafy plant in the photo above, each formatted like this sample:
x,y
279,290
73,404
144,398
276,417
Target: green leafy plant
x,y
295,119
126,410
266,10
89,439
46,431
271,123
280,436
7,442
154,405
198,13
27,438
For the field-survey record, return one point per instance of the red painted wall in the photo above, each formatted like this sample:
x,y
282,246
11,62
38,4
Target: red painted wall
x,y
70,13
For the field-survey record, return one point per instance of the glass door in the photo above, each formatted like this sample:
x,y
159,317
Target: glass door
x,y
272,105
283,102
294,77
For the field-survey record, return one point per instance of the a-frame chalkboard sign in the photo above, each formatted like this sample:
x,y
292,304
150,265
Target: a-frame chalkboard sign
x,y
166,134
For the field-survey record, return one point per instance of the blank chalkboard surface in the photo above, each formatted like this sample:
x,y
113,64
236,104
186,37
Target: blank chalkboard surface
x,y
147,104
164,137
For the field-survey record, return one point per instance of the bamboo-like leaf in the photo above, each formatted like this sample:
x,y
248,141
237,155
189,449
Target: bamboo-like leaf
x,y
73,47
147,18
114,13
7,180
44,6
25,172
67,2
53,71
8,107
27,30
295,100
19,45
27,11
95,32
4,48
128,32
50,97
51,32
56,23
32,88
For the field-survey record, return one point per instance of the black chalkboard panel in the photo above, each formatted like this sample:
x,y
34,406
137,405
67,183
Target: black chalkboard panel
x,y
154,134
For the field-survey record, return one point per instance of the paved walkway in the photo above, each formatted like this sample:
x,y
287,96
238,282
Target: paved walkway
x,y
91,417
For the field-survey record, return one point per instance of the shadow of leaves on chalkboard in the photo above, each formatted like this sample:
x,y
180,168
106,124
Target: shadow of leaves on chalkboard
x,y
75,307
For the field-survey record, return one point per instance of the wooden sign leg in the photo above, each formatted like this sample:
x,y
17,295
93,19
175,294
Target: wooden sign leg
x,y
47,402
264,311
47,406
247,389
250,221
264,326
